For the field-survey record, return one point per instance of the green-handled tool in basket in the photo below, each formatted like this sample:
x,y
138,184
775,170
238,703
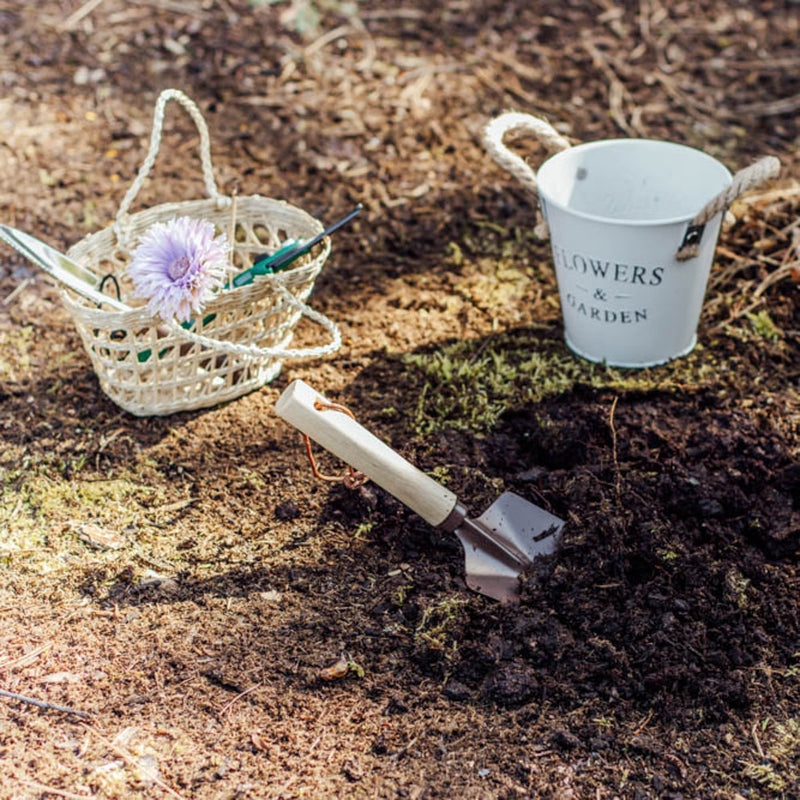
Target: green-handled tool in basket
x,y
266,264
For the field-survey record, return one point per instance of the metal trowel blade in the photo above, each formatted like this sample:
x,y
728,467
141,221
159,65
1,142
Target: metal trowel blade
x,y
503,541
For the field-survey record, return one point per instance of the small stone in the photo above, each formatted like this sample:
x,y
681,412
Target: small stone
x,y
566,740
709,507
151,578
109,767
646,744
456,691
656,600
512,686
352,771
368,494
68,744
148,769
286,510
599,743
174,46
225,767
126,736
532,474
83,75
61,677
99,538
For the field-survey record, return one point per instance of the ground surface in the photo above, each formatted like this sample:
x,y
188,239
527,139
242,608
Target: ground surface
x,y
186,582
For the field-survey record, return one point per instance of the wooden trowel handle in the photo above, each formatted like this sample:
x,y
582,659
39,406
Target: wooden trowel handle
x,y
303,407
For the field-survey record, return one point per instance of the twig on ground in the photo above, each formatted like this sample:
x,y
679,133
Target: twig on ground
x,y
238,697
40,787
42,704
758,743
687,103
774,277
327,38
789,269
73,19
26,658
644,723
11,296
403,750
786,105
617,479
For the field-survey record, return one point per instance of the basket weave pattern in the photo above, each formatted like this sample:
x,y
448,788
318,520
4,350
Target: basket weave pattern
x,y
238,341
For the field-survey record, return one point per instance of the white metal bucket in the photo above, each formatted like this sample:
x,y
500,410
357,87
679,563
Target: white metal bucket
x,y
631,252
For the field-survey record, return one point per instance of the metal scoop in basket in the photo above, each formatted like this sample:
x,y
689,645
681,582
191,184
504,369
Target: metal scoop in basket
x,y
498,545
61,267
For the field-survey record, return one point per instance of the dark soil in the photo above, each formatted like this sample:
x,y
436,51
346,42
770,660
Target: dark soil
x,y
232,627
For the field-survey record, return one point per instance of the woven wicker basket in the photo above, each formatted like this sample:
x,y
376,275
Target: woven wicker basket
x,y
239,342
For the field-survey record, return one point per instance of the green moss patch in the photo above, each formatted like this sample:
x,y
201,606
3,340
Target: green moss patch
x,y
468,385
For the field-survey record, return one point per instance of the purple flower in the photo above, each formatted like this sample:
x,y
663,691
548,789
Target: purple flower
x,y
177,266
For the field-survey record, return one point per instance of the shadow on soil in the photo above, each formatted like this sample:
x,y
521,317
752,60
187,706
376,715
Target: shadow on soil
x,y
666,594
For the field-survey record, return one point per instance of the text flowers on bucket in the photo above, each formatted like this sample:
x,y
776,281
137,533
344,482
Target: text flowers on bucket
x,y
178,265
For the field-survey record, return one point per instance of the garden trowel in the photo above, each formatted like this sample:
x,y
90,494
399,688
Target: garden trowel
x,y
499,545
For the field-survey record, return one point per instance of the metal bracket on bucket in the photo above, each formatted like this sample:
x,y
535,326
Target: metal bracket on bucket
x,y
694,233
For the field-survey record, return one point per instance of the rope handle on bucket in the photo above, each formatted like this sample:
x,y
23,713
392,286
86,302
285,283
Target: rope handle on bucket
x,y
353,479
495,131
745,179
513,121
271,352
221,200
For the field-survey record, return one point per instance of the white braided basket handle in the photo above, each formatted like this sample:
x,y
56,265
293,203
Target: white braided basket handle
x,y
764,169
155,143
495,132
272,352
